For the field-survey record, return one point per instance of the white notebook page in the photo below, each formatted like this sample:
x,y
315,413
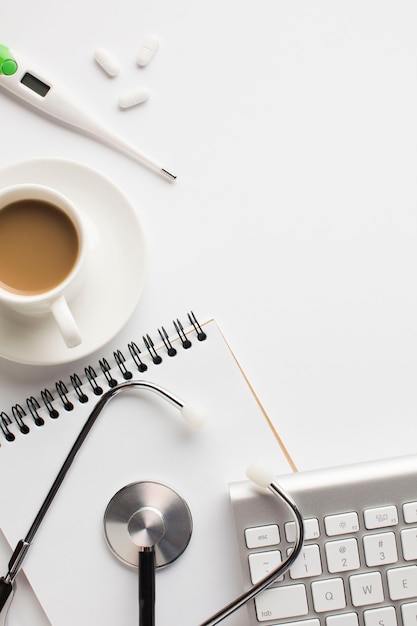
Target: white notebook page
x,y
139,437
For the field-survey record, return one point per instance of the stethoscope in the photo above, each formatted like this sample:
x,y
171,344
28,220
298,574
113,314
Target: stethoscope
x,y
144,520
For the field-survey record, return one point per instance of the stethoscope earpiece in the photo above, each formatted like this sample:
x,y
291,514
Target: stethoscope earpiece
x,y
147,515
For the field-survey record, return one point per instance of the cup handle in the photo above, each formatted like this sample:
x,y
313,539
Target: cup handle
x,y
66,322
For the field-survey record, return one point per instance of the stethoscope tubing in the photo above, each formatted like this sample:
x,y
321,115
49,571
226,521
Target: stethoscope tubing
x,y
19,554
266,582
105,398
23,545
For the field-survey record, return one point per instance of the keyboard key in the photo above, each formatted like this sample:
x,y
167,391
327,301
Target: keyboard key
x,y
328,595
281,602
380,517
341,524
263,563
311,530
262,536
384,616
409,613
410,512
409,543
343,619
402,582
358,565
307,564
380,549
342,555
366,589
303,622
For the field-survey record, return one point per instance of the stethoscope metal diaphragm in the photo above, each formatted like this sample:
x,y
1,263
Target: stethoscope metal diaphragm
x,y
146,515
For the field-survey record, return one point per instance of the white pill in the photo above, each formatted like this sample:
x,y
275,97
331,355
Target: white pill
x,y
106,61
148,50
133,97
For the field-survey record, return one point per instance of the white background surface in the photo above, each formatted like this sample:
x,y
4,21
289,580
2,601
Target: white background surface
x,y
292,129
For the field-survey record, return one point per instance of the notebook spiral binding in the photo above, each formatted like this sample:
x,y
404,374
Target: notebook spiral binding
x,y
92,383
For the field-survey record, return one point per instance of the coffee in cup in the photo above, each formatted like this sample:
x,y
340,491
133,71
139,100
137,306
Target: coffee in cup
x,y
42,252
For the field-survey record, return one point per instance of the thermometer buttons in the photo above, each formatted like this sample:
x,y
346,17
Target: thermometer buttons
x,y
9,67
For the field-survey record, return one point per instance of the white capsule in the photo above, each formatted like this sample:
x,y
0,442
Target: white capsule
x,y
133,97
106,61
148,50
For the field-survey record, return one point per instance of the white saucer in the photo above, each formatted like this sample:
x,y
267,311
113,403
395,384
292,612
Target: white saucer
x,y
116,269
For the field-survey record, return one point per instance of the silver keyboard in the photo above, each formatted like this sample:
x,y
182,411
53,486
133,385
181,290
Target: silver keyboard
x,y
358,566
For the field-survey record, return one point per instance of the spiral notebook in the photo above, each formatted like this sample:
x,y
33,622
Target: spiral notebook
x,y
138,437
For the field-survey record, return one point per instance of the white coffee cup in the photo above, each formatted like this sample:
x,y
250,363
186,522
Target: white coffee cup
x,y
43,249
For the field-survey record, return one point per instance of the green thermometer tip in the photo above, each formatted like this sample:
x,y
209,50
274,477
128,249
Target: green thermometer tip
x,y
8,65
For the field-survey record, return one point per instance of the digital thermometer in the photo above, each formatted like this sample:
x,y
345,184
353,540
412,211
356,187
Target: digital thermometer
x,y
21,78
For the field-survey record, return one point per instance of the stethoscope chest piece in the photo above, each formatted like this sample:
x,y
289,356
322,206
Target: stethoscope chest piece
x,y
147,515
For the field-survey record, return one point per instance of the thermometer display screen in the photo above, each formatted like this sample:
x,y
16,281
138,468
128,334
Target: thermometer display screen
x,y
35,84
